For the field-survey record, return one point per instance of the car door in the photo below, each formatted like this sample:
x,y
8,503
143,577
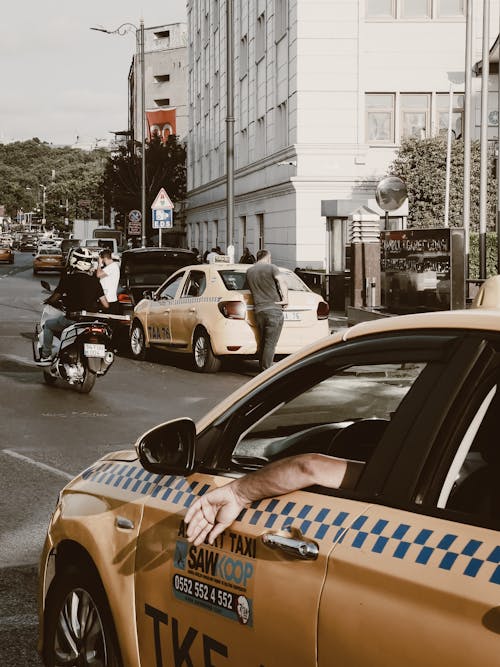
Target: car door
x,y
185,315
416,578
160,310
253,597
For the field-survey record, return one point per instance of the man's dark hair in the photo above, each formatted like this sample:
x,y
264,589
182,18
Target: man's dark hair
x,y
105,252
262,253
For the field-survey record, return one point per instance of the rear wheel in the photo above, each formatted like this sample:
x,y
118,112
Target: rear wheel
x,y
79,628
204,360
88,382
138,342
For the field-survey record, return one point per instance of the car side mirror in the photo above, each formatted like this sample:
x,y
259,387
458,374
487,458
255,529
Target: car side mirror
x,y
147,294
169,448
46,286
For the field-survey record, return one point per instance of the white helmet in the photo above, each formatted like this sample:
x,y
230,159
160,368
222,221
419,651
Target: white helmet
x,y
81,259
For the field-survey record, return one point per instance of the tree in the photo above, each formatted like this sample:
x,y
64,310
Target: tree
x,y
165,167
421,163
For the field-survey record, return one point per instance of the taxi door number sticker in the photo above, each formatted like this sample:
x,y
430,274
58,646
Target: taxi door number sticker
x,y
217,577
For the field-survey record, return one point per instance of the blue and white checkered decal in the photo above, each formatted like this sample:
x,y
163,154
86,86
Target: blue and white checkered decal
x,y
401,541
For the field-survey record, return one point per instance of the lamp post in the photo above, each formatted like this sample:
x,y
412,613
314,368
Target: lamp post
x,y
122,30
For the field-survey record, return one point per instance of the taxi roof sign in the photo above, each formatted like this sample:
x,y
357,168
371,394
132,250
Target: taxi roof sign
x,y
162,201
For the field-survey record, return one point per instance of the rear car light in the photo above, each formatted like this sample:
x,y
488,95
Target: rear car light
x,y
125,298
322,310
233,310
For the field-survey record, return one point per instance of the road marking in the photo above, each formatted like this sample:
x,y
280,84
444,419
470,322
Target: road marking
x,y
38,464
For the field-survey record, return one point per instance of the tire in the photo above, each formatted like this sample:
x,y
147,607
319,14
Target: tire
x,y
77,594
48,378
138,342
88,382
204,360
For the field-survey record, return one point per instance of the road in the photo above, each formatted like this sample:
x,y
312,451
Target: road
x,y
49,434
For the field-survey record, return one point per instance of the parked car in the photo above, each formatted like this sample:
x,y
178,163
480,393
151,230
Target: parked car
x,y
6,253
207,311
145,269
48,259
400,566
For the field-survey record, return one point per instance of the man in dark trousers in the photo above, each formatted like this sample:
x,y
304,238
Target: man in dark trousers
x,y
270,296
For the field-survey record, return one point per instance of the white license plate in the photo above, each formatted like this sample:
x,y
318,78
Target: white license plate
x,y
291,315
94,350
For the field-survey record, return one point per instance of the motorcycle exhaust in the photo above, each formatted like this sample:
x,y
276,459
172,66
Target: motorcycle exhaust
x,y
109,357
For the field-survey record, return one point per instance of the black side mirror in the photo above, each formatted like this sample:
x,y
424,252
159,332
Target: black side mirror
x,y
169,448
46,286
147,294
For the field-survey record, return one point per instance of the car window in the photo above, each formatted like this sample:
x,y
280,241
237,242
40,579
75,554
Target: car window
x,y
344,414
237,280
169,289
195,284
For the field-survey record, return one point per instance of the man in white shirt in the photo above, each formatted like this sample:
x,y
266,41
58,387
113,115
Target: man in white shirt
x,y
108,273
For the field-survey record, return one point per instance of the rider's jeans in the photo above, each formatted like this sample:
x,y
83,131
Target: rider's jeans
x,y
53,327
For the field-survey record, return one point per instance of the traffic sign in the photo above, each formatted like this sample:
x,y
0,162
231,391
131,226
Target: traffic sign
x,y
162,201
162,218
135,215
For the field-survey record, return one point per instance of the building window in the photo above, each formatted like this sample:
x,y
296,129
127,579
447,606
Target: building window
x,y
380,8
415,112
163,102
215,14
216,88
443,113
243,64
260,138
162,34
260,227
162,78
450,8
281,126
243,148
280,18
414,9
215,233
260,38
380,118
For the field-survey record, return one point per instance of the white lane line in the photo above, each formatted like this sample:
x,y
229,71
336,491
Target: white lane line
x,y
38,464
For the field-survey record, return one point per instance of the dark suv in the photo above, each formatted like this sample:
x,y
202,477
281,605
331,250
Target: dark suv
x,y
145,269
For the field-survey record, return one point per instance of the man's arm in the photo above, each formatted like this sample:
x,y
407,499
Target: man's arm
x,y
212,513
104,302
282,287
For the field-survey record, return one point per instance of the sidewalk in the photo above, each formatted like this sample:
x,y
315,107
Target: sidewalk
x,y
337,321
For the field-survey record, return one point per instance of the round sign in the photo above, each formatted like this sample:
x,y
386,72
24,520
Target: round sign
x,y
135,216
391,193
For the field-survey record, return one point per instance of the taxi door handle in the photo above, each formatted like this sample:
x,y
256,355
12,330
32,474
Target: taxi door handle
x,y
296,548
192,310
125,524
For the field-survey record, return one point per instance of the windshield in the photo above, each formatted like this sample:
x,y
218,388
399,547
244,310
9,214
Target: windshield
x,y
235,279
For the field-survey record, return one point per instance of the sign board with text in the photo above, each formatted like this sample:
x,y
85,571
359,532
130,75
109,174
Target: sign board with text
x,y
162,209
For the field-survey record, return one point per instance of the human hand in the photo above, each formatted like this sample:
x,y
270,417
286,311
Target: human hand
x,y
212,513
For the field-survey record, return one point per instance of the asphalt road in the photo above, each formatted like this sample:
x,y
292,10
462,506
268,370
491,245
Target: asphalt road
x,y
49,434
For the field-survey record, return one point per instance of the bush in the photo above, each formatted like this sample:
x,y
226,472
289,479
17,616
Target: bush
x,y
491,255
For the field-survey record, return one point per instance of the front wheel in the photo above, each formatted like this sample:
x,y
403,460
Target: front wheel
x,y
79,628
138,342
204,360
88,382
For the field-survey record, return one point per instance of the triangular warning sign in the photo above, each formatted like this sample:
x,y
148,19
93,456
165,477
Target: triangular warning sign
x,y
162,201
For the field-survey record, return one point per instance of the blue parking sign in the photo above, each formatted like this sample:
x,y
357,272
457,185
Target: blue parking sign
x,y
162,218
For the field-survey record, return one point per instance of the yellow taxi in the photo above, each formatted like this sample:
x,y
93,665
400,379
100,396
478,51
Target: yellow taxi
x,y
401,568
207,311
6,253
48,258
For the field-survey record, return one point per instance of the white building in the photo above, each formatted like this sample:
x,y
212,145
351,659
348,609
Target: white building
x,y
165,64
324,91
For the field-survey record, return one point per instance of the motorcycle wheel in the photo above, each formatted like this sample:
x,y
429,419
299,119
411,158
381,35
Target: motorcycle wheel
x,y
49,379
88,382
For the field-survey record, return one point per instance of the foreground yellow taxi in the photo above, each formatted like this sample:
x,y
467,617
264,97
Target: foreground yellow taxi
x,y
401,569
207,311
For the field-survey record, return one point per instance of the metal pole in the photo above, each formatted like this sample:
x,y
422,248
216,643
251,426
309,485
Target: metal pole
x,y
229,124
448,162
43,203
467,130
483,181
143,134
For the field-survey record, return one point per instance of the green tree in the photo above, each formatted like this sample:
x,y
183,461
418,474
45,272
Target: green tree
x,y
421,163
165,167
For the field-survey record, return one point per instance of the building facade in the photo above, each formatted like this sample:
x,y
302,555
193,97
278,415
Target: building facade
x,y
324,92
165,63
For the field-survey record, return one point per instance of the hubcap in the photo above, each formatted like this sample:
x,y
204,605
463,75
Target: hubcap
x,y
137,340
80,639
201,351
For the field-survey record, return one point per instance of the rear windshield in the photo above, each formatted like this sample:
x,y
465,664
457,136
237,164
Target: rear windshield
x,y
237,280
149,278
50,251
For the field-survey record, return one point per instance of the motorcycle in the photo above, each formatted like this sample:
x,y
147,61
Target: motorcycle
x,y
81,354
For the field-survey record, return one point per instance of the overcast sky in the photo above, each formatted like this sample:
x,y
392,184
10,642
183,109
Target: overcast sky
x,y
60,80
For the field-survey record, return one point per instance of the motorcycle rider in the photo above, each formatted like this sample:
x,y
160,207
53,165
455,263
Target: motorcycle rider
x,y
78,290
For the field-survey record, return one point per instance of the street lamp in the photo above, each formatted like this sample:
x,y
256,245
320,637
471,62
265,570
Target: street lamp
x,y
122,30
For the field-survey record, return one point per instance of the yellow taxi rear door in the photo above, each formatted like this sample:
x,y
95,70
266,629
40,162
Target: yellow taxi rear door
x,y
160,310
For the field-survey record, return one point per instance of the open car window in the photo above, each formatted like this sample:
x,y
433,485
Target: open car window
x,y
169,289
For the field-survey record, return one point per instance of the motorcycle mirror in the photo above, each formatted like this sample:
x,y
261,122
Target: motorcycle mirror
x,y
46,286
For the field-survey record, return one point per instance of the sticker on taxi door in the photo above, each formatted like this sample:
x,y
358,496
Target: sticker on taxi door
x,y
217,577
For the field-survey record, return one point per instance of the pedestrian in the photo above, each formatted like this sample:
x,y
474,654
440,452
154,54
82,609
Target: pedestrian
x,y
270,295
247,257
196,252
212,256
108,272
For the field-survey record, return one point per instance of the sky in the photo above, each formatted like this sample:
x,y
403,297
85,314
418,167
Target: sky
x,y
58,79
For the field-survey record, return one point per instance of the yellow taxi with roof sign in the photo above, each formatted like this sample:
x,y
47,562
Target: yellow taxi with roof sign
x,y
207,311
400,567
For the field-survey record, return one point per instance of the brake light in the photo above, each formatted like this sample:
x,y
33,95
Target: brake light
x,y
233,310
125,298
322,310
